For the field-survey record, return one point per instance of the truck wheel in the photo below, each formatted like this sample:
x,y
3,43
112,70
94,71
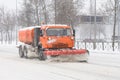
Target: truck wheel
x,y
41,54
25,52
21,54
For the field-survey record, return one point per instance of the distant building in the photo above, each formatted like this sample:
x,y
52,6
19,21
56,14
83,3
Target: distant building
x,y
86,28
91,19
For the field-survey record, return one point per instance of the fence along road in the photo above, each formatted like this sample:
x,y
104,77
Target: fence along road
x,y
106,46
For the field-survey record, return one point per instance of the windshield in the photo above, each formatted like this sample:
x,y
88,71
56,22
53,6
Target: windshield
x,y
58,32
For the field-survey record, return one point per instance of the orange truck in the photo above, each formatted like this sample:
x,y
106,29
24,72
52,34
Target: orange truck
x,y
48,40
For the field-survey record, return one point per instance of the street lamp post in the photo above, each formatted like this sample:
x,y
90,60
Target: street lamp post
x,y
91,18
16,23
95,24
55,10
114,27
95,20
118,23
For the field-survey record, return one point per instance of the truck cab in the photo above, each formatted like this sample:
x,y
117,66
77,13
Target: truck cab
x,y
56,37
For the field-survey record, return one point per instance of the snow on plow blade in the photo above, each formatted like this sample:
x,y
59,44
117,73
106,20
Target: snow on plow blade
x,y
65,52
68,55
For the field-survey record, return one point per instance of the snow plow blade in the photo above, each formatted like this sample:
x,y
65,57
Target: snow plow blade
x,y
65,52
68,55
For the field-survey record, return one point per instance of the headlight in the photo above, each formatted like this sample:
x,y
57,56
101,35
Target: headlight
x,y
49,38
72,37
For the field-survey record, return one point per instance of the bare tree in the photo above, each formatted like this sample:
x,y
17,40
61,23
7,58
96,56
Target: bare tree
x,y
33,13
7,21
65,12
112,8
26,14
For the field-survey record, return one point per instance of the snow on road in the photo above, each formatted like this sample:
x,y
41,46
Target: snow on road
x,y
99,67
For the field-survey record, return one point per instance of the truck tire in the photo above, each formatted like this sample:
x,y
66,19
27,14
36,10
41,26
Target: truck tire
x,y
21,54
25,52
41,54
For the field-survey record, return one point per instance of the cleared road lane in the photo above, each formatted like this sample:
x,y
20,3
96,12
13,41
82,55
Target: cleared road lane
x,y
99,67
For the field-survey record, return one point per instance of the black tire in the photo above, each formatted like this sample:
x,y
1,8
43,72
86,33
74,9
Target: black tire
x,y
25,52
21,54
84,61
41,54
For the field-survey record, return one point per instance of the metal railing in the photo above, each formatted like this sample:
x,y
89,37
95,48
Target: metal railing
x,y
101,46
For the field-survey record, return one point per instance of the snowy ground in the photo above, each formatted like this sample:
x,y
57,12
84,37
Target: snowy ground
x,y
101,66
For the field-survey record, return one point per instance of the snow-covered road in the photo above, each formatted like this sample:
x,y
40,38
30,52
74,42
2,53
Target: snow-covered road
x,y
99,67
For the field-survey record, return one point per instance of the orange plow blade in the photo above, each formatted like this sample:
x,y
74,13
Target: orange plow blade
x,y
68,55
65,52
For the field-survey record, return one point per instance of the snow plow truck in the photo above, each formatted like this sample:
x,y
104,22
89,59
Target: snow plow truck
x,y
49,41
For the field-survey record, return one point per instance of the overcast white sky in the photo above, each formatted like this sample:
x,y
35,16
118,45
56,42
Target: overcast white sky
x,y
11,4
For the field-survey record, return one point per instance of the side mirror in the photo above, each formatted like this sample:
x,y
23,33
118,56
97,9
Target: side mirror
x,y
41,33
73,32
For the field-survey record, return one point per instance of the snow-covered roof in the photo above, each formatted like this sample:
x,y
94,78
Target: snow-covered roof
x,y
31,27
55,25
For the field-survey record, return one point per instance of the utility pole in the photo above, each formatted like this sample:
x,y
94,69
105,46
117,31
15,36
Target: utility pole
x,y
55,10
114,27
45,11
16,22
91,9
118,16
95,24
95,20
